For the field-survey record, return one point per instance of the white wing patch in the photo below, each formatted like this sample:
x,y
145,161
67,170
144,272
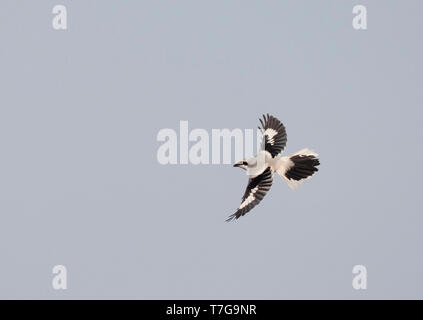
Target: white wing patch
x,y
271,133
249,199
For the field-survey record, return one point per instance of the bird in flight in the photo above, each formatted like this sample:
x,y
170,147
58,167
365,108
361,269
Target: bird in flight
x,y
294,169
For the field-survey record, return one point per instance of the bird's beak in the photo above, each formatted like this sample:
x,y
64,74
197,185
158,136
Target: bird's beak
x,y
237,164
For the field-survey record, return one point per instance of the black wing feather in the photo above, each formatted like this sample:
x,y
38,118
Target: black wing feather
x,y
262,182
274,144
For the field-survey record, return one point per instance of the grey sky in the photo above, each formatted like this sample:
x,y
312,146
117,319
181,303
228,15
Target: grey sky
x,y
80,184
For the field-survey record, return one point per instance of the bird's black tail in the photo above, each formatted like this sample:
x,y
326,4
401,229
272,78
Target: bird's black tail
x,y
303,165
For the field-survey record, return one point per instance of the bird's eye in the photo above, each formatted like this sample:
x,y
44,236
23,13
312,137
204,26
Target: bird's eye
x,y
245,163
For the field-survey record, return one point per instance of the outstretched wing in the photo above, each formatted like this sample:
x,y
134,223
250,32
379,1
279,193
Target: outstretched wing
x,y
274,134
256,190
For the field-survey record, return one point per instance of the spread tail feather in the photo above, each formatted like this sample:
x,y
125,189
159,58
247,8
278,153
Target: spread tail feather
x,y
297,168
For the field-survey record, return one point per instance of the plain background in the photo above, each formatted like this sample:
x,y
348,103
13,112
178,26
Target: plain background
x,y
80,184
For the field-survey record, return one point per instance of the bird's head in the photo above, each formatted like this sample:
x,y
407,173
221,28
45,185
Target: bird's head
x,y
243,164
